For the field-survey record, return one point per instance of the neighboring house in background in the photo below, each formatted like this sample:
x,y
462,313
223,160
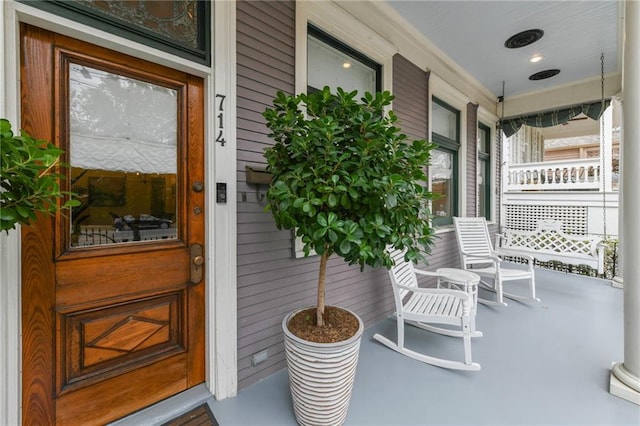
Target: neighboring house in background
x,y
119,324
580,147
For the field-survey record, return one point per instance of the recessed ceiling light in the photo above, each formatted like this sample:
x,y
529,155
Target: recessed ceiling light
x,y
536,58
544,74
346,65
523,39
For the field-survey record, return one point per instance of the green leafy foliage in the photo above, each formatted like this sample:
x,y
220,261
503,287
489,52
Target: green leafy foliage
x,y
345,177
28,179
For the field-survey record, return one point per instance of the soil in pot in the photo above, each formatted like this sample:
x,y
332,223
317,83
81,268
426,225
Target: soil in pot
x,y
339,325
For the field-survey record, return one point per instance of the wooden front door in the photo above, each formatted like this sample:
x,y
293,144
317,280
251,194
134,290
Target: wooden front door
x,y
113,292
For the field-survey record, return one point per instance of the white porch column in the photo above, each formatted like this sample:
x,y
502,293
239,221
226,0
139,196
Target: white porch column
x,y
625,377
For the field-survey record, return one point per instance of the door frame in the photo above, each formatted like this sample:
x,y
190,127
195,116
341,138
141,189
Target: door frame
x,y
220,220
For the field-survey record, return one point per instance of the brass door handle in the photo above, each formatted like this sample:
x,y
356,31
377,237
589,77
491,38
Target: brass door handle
x,y
197,260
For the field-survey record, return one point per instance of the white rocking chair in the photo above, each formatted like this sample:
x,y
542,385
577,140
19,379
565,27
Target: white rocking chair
x,y
421,307
476,250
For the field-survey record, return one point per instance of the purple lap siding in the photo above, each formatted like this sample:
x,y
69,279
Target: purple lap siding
x,y
266,64
411,89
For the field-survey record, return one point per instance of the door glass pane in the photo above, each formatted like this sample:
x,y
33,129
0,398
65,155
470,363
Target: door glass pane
x,y
441,173
123,145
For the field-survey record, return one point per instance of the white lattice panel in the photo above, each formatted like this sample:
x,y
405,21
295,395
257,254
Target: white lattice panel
x,y
551,241
526,217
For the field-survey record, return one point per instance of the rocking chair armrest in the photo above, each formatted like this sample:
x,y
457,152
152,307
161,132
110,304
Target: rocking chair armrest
x,y
466,298
428,273
493,258
514,252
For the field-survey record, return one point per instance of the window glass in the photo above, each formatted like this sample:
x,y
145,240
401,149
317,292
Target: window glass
x,y
443,170
482,189
331,63
482,139
441,173
328,66
484,175
445,121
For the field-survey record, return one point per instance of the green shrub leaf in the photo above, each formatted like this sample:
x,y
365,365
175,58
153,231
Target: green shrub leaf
x,y
28,178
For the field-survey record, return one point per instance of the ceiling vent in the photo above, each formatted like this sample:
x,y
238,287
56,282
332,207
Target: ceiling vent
x,y
544,74
523,39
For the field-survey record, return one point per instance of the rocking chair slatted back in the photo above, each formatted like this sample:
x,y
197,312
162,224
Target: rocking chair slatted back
x,y
402,273
477,254
473,240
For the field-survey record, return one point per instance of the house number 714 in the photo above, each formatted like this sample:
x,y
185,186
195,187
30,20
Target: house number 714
x,y
220,117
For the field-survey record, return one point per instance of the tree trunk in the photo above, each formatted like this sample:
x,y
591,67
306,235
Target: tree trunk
x,y
321,279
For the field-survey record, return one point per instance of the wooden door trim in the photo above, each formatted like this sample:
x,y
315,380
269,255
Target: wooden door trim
x,y
38,321
196,226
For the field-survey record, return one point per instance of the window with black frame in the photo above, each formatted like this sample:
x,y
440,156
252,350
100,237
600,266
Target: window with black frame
x,y
443,170
332,63
484,171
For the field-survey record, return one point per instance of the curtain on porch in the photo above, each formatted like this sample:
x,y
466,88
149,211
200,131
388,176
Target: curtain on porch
x,y
592,110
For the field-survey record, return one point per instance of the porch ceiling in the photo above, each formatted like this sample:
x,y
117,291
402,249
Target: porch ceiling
x,y
473,34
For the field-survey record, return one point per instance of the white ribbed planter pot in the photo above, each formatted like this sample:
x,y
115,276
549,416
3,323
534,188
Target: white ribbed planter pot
x,y
321,376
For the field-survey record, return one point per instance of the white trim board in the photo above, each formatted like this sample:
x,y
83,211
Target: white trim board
x,y
222,217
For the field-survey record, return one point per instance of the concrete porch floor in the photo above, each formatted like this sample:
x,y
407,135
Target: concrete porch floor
x,y
546,363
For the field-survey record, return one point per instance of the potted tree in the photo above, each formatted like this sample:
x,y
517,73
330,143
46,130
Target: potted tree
x,y
29,180
349,183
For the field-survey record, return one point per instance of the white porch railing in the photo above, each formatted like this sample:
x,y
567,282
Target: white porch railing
x,y
564,175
